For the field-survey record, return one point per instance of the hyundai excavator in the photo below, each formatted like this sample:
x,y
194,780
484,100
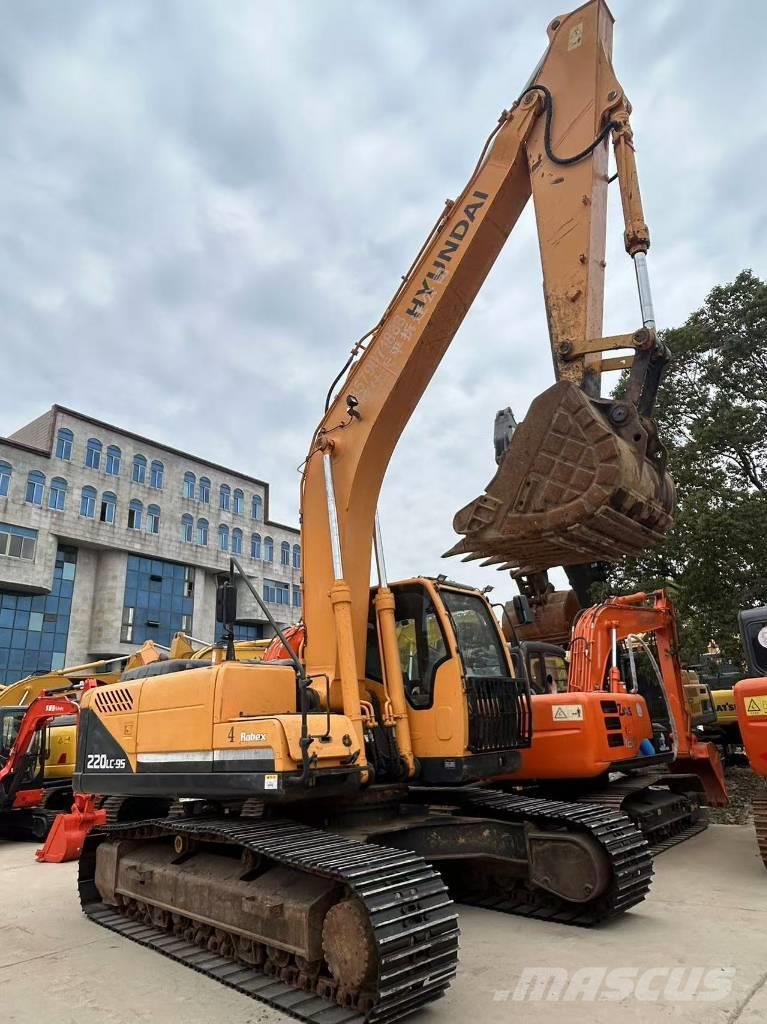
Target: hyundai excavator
x,y
317,803
751,702
620,728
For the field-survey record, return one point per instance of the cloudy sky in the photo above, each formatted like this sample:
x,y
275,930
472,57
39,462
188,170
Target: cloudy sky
x,y
204,203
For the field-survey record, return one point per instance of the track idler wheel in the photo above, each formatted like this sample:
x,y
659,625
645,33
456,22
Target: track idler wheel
x,y
348,946
581,481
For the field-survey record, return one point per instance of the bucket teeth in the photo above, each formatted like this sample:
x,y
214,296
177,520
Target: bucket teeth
x,y
569,489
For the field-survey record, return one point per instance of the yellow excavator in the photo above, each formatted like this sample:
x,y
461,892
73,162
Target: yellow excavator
x,y
291,826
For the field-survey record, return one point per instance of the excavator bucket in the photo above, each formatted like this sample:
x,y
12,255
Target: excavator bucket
x,y
552,622
703,760
575,485
69,831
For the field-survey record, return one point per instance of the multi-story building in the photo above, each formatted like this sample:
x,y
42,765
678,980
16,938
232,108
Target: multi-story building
x,y
108,539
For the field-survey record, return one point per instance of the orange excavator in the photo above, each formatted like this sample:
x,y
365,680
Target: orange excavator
x,y
318,802
751,703
617,724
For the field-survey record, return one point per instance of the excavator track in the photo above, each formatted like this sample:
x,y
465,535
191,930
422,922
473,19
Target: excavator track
x,y
675,820
410,915
626,849
759,807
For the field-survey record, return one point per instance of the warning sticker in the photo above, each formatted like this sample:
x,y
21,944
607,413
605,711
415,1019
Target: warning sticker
x,y
568,713
270,782
756,706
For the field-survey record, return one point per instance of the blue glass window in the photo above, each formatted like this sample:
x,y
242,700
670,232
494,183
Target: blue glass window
x,y
113,460
296,597
139,469
158,601
93,453
257,507
202,532
223,537
276,592
236,542
88,502
284,553
5,478
255,545
35,488
187,527
108,507
224,496
205,490
268,549
135,514
153,519
156,473
33,635
189,482
296,556
238,502
248,631
64,439
57,494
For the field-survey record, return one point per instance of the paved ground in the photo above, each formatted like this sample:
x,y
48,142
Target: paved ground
x,y
708,910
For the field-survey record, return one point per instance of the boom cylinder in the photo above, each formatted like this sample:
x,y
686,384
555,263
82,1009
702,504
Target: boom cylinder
x,y
341,600
390,659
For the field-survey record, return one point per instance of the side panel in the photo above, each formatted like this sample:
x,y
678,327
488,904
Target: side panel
x,y
751,700
582,735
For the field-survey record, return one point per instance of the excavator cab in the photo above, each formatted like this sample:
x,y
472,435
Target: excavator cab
x,y
468,716
32,766
543,665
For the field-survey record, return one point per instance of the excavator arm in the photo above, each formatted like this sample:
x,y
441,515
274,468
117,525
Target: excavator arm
x,y
583,478
593,658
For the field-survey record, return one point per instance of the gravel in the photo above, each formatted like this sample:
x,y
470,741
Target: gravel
x,y
743,785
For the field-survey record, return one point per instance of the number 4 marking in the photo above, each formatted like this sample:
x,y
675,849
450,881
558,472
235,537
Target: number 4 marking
x,y
230,735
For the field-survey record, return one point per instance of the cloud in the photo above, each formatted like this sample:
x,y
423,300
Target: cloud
x,y
203,205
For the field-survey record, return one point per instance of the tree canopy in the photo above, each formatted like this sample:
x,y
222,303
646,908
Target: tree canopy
x,y
712,416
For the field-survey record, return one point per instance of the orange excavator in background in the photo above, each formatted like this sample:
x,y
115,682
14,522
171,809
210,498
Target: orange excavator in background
x,y
616,723
751,703
317,802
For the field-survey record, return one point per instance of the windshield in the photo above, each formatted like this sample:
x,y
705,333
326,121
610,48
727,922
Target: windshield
x,y
477,636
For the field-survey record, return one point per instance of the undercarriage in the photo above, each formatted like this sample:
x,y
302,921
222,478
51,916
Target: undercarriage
x,y
351,906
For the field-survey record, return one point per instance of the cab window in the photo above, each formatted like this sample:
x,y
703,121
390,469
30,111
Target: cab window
x,y
555,673
477,635
421,644
10,723
536,674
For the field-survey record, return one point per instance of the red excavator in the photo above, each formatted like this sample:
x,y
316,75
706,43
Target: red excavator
x,y
618,724
24,810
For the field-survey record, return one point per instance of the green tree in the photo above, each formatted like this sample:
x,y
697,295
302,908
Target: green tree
x,y
712,416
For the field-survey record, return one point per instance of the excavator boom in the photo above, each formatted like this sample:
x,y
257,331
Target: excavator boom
x,y
583,478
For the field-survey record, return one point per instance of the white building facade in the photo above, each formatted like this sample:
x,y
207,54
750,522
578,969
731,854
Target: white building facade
x,y
108,539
